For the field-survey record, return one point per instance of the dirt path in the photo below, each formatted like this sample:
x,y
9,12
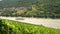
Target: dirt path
x,y
52,23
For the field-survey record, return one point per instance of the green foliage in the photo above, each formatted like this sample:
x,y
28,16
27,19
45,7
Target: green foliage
x,y
24,28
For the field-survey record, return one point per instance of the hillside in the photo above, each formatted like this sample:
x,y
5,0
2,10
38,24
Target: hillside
x,y
20,3
30,8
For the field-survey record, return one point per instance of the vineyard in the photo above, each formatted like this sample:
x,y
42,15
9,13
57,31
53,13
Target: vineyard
x,y
14,27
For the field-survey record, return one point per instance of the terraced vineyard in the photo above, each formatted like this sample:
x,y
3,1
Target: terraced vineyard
x,y
14,27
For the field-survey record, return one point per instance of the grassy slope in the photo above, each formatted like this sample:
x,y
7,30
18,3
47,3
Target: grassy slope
x,y
23,28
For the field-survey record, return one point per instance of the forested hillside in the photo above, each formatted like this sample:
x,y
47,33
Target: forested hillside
x,y
30,8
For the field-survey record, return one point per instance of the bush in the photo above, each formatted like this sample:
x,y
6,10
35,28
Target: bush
x,y
24,28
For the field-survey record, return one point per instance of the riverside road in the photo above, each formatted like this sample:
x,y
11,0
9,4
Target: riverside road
x,y
51,23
